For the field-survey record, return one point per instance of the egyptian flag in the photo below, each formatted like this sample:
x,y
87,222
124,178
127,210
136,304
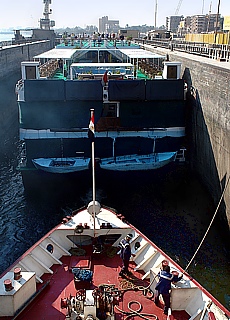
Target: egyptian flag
x,y
91,127
105,78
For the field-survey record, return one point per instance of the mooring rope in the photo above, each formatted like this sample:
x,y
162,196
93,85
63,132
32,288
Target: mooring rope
x,y
208,226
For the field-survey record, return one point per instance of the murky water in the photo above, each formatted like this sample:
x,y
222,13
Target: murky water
x,y
171,207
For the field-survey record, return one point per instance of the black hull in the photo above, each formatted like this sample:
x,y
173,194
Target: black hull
x,y
37,180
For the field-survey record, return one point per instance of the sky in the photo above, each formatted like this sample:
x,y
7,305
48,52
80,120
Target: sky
x,y
70,13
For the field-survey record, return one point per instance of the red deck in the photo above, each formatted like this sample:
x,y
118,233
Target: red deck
x,y
47,305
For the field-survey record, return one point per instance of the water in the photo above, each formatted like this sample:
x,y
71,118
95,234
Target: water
x,y
171,207
6,36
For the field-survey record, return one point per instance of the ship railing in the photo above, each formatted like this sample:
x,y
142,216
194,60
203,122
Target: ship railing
x,y
5,43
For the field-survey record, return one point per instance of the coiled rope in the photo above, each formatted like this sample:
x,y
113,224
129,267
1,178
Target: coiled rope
x,y
126,285
208,227
137,312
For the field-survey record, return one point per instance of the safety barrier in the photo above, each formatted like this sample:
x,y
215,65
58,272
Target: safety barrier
x,y
219,52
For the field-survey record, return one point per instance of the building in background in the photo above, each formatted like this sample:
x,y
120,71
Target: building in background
x,y
205,23
201,23
158,34
226,24
129,33
173,22
108,26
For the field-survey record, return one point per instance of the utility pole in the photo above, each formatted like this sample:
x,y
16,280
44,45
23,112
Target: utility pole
x,y
217,20
209,16
155,23
202,8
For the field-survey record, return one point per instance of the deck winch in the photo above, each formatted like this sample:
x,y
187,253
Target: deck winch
x,y
90,304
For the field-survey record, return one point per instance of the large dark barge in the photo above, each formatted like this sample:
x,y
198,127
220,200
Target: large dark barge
x,y
138,98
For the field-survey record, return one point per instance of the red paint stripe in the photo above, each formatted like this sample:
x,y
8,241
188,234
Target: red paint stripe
x,y
211,316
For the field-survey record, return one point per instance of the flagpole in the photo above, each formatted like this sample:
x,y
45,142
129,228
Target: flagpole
x,y
93,167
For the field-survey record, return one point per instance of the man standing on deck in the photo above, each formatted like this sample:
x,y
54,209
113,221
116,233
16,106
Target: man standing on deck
x,y
164,286
125,254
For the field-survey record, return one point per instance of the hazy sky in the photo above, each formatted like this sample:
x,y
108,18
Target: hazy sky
x,y
71,13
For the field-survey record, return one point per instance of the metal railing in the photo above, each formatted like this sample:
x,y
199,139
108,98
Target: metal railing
x,y
219,52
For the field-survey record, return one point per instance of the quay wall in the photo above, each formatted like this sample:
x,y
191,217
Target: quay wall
x,y
12,56
10,65
208,123
209,127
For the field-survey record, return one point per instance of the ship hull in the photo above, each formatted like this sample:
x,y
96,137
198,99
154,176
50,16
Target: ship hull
x,y
73,262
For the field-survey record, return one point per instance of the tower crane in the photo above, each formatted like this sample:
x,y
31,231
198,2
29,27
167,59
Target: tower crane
x,y
46,23
47,10
178,7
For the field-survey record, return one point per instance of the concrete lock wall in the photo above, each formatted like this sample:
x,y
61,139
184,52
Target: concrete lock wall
x,y
10,65
12,56
210,128
208,123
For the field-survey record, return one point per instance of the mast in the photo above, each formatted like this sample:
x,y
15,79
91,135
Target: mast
x,y
91,136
